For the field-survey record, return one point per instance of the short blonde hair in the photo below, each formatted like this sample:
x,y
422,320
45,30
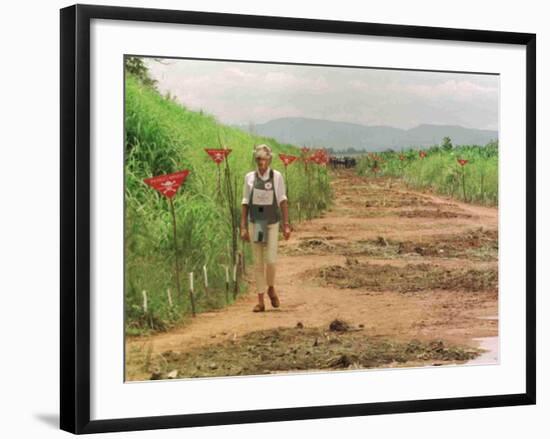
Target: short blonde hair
x,y
262,152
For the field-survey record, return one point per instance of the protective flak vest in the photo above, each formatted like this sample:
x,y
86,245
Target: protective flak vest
x,y
263,206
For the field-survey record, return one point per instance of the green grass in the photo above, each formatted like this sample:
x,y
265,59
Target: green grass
x,y
162,136
440,172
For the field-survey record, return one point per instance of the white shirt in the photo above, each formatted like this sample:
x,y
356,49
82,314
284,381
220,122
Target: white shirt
x,y
278,182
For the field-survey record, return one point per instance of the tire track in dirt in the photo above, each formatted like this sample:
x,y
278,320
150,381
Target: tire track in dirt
x,y
378,214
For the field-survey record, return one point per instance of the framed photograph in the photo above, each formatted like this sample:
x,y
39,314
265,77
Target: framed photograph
x,y
278,218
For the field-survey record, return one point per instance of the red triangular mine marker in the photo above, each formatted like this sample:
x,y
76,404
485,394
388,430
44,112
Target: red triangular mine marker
x,y
218,154
287,159
168,184
320,157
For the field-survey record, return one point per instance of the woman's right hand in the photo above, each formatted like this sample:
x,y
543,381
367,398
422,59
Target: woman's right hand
x,y
244,234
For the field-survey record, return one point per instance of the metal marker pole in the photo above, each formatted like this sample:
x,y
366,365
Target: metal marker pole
x,y
177,256
219,187
226,284
287,190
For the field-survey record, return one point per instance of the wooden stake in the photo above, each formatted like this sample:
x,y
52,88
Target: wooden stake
x,y
144,294
205,274
235,282
242,262
191,294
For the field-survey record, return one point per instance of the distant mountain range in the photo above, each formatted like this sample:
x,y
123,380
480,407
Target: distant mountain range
x,y
343,135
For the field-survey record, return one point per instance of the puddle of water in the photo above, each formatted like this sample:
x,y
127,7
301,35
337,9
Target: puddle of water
x,y
490,344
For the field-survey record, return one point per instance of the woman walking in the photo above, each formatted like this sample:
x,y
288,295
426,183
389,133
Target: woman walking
x,y
264,203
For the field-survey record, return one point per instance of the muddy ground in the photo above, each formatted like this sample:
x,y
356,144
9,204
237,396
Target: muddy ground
x,y
407,278
339,346
413,277
472,244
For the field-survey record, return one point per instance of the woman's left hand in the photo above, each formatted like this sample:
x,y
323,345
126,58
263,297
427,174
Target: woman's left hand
x,y
286,231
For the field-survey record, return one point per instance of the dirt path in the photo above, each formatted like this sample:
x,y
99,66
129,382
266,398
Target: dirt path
x,y
394,262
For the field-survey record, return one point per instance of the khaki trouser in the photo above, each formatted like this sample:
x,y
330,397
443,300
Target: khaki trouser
x,y
265,257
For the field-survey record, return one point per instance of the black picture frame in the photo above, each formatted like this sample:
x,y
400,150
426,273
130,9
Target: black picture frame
x,y
75,217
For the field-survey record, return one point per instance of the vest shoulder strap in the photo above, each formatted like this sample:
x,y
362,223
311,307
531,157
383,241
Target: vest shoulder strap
x,y
271,174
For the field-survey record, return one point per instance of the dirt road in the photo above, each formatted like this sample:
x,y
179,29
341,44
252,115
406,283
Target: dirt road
x,y
412,276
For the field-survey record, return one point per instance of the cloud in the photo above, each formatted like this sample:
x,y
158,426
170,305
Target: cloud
x,y
289,82
453,89
240,93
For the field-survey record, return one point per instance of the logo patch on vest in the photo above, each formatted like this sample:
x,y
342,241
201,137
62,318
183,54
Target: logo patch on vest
x,y
268,185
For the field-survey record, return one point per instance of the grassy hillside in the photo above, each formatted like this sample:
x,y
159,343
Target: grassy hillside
x,y
162,137
476,181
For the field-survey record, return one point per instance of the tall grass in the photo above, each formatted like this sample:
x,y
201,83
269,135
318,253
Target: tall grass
x,y
440,171
161,136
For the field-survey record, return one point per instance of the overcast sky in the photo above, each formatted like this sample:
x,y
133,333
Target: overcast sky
x,y
243,93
